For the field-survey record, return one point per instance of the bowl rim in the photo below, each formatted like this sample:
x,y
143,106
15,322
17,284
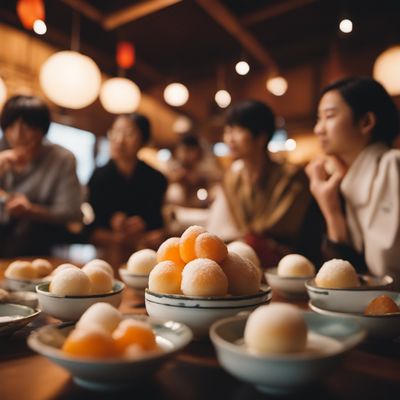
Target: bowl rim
x,y
131,275
273,273
262,292
296,357
325,311
40,289
27,281
34,312
310,285
53,352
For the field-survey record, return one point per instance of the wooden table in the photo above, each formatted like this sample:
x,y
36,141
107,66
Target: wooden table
x,y
370,372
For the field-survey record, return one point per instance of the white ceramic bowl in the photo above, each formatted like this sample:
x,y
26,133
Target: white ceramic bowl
x,y
287,287
378,327
137,282
198,313
15,316
70,308
349,300
23,285
329,339
113,373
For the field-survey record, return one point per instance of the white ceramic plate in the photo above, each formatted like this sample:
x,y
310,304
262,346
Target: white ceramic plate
x,y
70,308
379,327
15,316
171,336
287,287
329,339
200,312
349,300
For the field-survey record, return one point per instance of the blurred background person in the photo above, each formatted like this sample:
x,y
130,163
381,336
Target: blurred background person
x,y
39,189
265,203
127,194
357,186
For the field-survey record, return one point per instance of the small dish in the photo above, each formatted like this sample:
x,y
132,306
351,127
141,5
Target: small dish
x,y
70,308
115,373
352,299
198,313
137,282
329,339
23,285
15,316
287,287
378,327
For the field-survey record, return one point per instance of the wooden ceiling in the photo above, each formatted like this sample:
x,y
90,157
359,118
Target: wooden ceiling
x,y
191,40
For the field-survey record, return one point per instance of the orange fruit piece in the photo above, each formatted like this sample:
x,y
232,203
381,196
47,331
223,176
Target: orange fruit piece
x,y
90,343
381,305
169,251
130,332
208,245
166,277
187,242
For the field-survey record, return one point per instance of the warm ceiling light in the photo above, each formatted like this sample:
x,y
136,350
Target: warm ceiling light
x,y
223,98
386,70
346,25
176,94
120,96
39,27
182,124
29,11
3,92
242,67
70,79
277,86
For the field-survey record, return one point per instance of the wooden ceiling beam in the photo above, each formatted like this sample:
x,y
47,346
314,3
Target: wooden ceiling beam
x,y
86,9
232,25
274,10
134,12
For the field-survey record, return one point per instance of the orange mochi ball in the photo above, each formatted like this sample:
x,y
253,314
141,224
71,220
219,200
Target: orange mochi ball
x,y
21,270
104,265
133,332
187,242
102,315
166,277
381,305
204,277
243,276
42,267
70,282
91,343
169,251
337,274
208,245
100,280
276,328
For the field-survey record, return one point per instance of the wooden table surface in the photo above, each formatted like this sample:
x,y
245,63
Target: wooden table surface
x,y
372,371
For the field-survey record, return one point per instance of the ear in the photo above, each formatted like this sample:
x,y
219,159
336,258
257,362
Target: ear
x,y
368,123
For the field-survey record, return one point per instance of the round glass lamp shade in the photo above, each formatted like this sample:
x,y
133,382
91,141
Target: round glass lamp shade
x,y
120,95
3,92
277,86
387,70
70,79
223,98
176,94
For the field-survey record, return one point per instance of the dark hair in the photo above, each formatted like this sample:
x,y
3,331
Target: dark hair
x,y
143,124
253,115
32,110
189,140
365,95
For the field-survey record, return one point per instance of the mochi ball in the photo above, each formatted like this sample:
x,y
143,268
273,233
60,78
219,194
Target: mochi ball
x,y
275,329
243,275
21,270
203,277
104,265
42,267
61,267
100,314
142,262
70,282
166,277
245,251
337,274
295,266
100,280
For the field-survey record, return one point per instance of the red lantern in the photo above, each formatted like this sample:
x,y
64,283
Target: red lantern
x,y
29,11
125,55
